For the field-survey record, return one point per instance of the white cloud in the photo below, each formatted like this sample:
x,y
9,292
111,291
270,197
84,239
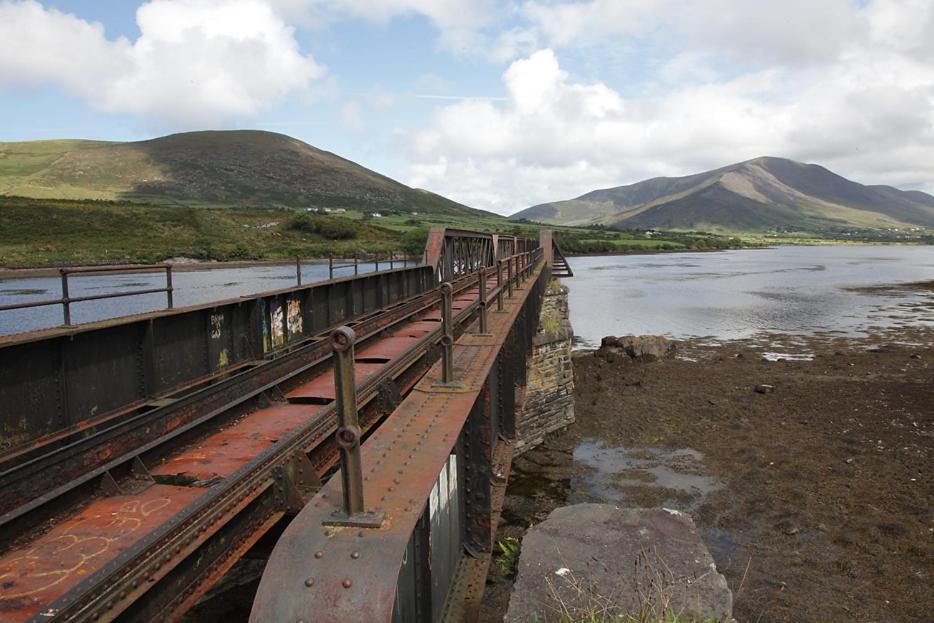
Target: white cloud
x,y
195,63
868,114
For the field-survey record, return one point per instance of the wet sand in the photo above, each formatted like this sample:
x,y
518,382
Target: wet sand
x,y
816,498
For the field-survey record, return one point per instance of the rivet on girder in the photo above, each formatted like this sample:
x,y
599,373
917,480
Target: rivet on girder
x,y
309,582
346,583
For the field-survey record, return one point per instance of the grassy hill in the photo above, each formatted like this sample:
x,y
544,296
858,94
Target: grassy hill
x,y
230,169
760,195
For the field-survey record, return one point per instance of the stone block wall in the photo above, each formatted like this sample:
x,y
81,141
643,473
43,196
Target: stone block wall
x,y
549,393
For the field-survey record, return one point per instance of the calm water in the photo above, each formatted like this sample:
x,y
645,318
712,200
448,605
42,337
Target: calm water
x,y
191,288
736,294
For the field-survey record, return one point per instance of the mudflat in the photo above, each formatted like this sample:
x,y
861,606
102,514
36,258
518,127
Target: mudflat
x,y
808,470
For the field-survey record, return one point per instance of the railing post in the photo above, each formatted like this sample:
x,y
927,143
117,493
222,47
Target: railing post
x,y
499,285
298,270
509,277
391,258
482,286
355,263
66,305
348,435
169,289
447,337
330,266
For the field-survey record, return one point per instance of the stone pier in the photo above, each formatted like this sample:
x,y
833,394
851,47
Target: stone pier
x,y
549,395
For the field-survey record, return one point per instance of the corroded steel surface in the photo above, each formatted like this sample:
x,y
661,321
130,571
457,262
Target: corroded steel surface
x,y
33,575
205,490
222,454
321,573
322,387
387,348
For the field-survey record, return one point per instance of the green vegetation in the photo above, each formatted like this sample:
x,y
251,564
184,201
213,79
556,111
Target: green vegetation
x,y
508,556
43,232
37,232
601,240
330,228
241,168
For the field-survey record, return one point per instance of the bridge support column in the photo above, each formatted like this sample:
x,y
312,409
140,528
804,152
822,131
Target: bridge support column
x,y
549,395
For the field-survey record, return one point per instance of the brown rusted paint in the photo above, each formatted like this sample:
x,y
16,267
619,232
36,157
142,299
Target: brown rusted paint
x,y
232,449
32,576
401,462
387,348
223,453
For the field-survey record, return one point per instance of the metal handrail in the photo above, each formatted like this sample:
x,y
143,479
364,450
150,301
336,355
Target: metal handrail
x,y
66,300
391,258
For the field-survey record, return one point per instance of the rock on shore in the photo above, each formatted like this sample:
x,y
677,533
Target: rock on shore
x,y
638,347
601,558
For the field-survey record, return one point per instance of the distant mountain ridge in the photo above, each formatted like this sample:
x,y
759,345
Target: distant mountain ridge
x,y
761,194
236,168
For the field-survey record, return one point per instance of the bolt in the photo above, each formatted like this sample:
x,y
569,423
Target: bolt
x,y
346,583
310,582
355,555
319,554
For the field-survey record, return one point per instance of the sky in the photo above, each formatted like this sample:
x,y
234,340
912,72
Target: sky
x,y
499,105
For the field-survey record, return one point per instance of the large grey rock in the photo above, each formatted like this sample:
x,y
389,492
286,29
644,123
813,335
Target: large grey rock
x,y
640,347
598,558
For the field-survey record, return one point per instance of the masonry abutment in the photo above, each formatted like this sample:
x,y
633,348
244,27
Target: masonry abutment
x,y
549,395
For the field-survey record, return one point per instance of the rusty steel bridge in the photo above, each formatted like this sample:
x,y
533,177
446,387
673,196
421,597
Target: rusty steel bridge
x,y
355,433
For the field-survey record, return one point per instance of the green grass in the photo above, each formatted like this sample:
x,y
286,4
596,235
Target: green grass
x,y
45,232
36,232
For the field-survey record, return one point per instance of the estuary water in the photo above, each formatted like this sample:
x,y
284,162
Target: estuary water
x,y
191,287
737,294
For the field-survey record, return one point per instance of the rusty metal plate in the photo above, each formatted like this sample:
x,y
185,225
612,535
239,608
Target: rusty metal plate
x,y
223,453
386,349
322,387
419,328
45,569
434,315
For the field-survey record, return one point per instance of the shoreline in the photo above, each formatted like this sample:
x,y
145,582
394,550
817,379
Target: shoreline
x,y
807,478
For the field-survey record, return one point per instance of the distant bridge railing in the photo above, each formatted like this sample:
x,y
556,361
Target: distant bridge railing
x,y
66,300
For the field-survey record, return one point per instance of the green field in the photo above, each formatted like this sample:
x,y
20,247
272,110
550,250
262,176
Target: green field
x,y
48,232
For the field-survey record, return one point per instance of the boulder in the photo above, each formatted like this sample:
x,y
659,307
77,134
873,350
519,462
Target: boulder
x,y
638,347
600,558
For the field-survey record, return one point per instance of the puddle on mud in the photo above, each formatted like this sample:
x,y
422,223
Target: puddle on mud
x,y
641,477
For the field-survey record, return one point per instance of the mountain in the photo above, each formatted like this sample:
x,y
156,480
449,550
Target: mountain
x,y
229,168
756,195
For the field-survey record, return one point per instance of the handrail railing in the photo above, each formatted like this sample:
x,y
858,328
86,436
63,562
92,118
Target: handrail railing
x,y
66,300
392,258
431,469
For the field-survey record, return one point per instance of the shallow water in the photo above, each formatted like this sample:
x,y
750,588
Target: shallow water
x,y
737,294
622,475
190,288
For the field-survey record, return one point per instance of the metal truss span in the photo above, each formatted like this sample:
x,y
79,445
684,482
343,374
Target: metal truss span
x,y
152,452
435,471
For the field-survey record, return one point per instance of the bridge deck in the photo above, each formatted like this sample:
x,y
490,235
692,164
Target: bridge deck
x,y
52,568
